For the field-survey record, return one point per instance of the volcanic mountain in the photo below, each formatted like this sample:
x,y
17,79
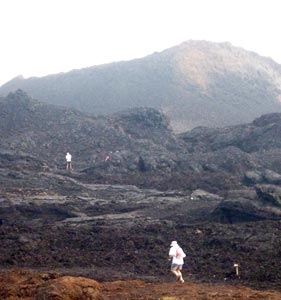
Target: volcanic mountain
x,y
197,83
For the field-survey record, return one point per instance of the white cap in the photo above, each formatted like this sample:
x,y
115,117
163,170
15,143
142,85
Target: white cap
x,y
174,243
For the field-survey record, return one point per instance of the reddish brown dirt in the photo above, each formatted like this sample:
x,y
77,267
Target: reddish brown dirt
x,y
27,285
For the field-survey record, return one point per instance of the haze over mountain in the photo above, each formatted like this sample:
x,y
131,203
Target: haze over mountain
x,y
197,83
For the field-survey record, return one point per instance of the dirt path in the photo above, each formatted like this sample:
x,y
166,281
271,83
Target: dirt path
x,y
26,285
133,290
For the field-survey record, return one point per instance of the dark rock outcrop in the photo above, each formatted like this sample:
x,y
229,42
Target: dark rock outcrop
x,y
244,210
265,176
262,134
269,195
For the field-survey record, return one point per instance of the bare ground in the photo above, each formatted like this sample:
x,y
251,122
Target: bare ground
x,y
27,285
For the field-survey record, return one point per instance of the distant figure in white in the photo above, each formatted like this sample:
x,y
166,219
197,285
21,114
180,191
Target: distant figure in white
x,y
177,255
68,158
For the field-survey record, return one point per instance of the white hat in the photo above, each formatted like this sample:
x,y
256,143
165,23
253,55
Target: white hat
x,y
174,243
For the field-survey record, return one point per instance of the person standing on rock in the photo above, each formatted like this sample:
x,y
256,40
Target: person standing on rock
x,y
68,158
176,255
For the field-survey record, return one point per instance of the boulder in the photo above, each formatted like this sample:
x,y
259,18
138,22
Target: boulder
x,y
243,210
269,194
69,288
271,177
203,195
253,177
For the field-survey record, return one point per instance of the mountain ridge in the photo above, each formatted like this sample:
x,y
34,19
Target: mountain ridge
x,y
196,83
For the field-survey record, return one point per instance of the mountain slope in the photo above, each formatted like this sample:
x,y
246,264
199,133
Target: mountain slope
x,y
143,149
197,83
47,132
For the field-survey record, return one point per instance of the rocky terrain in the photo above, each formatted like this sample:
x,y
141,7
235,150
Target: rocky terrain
x,y
197,83
215,191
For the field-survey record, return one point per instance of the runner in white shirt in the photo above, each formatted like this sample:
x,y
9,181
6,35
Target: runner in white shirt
x,y
177,255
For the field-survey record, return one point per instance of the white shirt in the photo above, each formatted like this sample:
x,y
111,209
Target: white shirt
x,y
177,253
68,157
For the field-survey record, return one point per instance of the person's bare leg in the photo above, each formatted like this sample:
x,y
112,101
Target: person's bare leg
x,y
180,276
175,272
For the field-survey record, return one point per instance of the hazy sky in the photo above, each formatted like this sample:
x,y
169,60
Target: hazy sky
x,y
40,37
